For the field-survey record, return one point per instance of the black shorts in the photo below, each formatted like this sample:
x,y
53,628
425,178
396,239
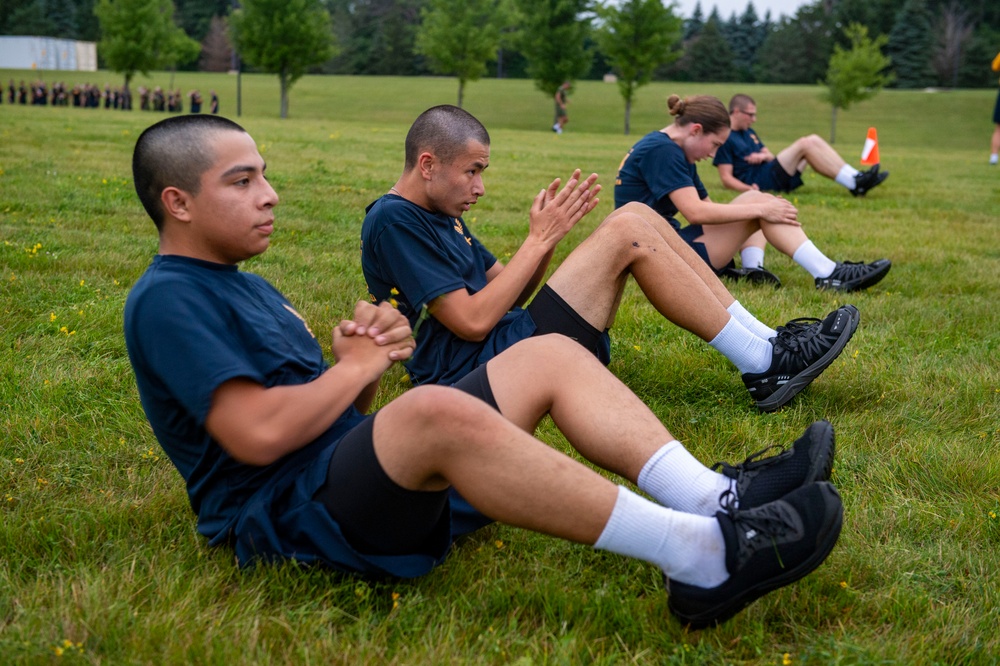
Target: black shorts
x,y
552,314
377,515
689,234
776,179
996,110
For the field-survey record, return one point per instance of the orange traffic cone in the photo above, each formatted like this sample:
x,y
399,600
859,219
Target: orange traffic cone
x,y
869,154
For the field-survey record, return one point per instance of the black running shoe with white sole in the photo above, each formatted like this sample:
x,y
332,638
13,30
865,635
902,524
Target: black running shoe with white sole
x,y
803,348
854,275
767,547
758,480
868,180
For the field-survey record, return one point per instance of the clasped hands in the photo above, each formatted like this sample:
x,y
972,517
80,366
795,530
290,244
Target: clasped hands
x,y
554,212
376,336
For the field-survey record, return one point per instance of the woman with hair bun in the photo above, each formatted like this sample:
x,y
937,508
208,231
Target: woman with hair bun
x,y
660,171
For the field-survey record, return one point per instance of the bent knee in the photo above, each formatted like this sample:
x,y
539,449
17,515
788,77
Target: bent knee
x,y
431,404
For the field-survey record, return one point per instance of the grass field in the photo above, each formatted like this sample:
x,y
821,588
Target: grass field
x,y
100,561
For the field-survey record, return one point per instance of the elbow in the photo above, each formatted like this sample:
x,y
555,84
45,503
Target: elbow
x,y
472,333
258,450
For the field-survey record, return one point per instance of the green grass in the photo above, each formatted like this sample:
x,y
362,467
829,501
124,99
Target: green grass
x,y
98,546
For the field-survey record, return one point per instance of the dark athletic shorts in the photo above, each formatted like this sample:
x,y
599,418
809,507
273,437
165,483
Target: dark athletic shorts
x,y
996,110
376,515
775,179
552,314
689,234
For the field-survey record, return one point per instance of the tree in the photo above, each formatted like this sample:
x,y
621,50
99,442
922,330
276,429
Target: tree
x,y
636,37
693,25
140,35
283,37
954,32
552,38
855,74
798,49
711,59
910,45
216,52
376,37
460,38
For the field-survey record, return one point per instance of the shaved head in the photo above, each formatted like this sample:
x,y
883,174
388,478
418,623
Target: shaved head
x,y
444,131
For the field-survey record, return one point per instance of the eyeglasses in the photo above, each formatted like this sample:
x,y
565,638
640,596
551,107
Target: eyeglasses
x,y
746,113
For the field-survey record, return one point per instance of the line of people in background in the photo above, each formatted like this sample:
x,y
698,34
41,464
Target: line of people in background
x,y
88,95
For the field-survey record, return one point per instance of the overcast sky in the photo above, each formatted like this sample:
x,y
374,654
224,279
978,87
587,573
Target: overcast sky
x,y
727,7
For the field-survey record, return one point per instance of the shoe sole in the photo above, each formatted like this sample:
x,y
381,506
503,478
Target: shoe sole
x,y
827,444
794,386
827,540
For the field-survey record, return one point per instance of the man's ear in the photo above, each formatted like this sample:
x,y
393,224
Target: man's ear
x,y
426,163
175,203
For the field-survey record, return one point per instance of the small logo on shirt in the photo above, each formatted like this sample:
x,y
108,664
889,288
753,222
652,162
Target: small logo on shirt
x,y
461,229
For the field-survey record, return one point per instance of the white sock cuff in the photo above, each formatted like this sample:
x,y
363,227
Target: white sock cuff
x,y
752,257
846,176
628,525
663,451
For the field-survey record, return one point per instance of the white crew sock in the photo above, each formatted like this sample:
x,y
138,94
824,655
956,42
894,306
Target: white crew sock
x,y
676,479
745,350
846,176
750,322
752,257
810,258
688,548
994,158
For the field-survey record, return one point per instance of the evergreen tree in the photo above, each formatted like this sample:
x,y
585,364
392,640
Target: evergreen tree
x,y
911,44
743,39
31,19
62,14
798,49
711,58
636,37
693,25
954,32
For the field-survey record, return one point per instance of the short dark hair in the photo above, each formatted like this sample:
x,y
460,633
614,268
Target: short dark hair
x,y
740,102
445,131
174,153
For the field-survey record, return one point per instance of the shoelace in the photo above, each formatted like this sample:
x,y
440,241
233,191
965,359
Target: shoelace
x,y
795,332
758,527
752,461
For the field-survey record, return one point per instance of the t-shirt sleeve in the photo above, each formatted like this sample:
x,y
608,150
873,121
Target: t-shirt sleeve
x,y
188,346
666,171
724,155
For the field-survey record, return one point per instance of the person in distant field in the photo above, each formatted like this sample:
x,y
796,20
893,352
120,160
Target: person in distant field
x,y
660,171
995,140
418,252
195,96
280,463
213,106
745,163
562,113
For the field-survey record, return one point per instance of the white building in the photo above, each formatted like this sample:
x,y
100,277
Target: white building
x,y
47,53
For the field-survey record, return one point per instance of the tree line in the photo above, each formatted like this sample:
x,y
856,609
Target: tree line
x,y
945,43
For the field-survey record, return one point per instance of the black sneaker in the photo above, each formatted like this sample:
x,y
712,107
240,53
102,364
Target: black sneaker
x,y
758,480
854,275
761,276
867,180
803,348
767,547
751,275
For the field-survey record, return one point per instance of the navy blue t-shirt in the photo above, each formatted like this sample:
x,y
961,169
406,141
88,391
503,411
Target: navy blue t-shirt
x,y
412,256
735,150
652,169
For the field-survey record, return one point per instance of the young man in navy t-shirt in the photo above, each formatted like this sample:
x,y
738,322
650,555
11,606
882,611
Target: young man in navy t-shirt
x,y
416,250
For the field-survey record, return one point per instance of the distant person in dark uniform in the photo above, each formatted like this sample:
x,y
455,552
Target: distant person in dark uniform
x,y
995,141
562,100
214,104
195,97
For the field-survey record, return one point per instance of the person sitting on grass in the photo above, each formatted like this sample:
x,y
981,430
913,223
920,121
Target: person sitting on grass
x,y
281,464
745,163
660,170
418,251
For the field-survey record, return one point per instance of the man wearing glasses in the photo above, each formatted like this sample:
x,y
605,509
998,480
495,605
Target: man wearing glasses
x,y
745,163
